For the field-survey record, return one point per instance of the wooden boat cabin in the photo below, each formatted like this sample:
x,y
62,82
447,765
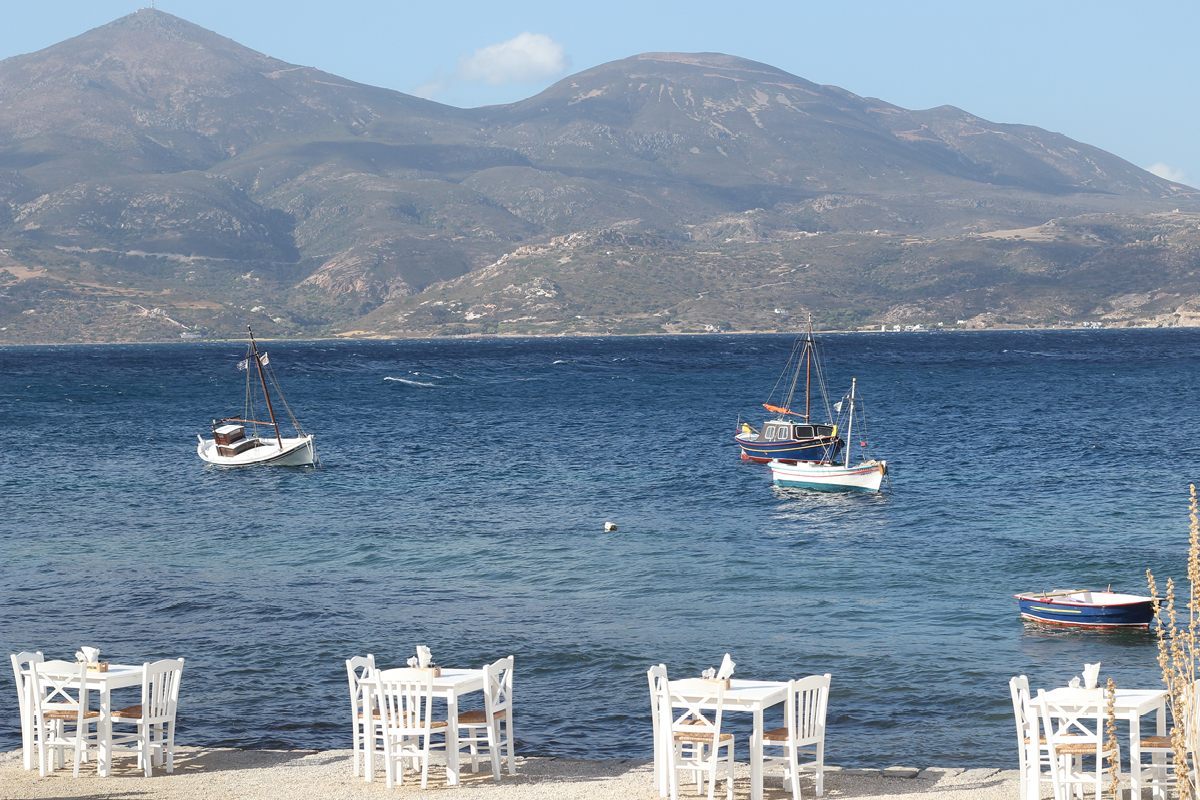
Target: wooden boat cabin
x,y
786,430
231,440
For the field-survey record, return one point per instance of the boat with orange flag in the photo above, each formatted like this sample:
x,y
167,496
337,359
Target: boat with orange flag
x,y
791,435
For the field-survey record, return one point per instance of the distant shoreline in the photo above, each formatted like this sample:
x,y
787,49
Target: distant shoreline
x,y
417,337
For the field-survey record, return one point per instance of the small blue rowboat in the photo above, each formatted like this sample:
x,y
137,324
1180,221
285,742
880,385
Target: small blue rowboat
x,y
1085,609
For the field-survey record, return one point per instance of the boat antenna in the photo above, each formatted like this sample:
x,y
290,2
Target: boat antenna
x,y
266,394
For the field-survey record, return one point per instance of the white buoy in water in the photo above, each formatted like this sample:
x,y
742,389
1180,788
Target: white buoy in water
x,y
610,526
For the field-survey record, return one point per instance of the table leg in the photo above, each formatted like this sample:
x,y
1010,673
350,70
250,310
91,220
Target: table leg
x,y
756,757
104,734
451,738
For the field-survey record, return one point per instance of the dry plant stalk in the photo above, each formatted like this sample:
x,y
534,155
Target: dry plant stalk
x,y
1177,655
1110,742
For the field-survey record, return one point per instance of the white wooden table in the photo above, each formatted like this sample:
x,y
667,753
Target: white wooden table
x,y
119,676
1129,705
451,684
742,695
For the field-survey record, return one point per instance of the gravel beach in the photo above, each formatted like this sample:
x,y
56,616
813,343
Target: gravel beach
x,y
230,774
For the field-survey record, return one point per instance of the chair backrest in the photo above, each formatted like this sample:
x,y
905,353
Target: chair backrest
x,y
497,680
1018,689
660,699
805,708
20,662
59,686
360,673
160,689
696,696
406,700
1082,719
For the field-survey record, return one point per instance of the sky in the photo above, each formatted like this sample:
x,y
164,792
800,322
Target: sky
x,y
1117,75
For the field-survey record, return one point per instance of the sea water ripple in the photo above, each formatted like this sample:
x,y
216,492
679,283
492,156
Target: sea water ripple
x,y
462,501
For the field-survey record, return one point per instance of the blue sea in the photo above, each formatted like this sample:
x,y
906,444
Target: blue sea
x,y
462,501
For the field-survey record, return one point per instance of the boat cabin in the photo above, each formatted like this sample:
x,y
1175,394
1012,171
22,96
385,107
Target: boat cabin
x,y
786,430
231,440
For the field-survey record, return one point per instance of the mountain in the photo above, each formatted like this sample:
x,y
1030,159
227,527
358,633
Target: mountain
x,y
157,178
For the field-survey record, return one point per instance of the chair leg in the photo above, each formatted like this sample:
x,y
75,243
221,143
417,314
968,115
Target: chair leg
x,y
794,769
79,729
494,748
819,771
508,735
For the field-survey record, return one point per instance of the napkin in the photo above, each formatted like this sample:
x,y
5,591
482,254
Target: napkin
x,y
1074,682
1091,674
726,669
89,654
424,659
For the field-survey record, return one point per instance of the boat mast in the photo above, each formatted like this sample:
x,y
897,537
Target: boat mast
x,y
808,372
263,379
850,422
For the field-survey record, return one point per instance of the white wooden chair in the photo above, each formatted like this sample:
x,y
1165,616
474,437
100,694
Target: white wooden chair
x,y
1033,755
660,716
491,726
405,698
804,735
365,718
1072,734
1161,776
57,703
154,738
20,663
696,741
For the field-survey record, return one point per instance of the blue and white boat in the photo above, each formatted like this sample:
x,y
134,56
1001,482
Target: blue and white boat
x,y
790,435
229,445
824,475
1082,608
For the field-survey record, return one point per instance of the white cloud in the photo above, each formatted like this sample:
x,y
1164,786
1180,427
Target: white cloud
x,y
526,58
1167,172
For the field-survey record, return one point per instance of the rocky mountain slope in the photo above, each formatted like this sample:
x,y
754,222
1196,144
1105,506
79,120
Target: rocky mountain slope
x,y
159,179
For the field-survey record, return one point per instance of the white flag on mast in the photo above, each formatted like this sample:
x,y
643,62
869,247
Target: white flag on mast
x,y
263,359
838,406
244,364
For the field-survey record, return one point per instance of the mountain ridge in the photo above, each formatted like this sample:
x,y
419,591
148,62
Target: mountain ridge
x,y
154,154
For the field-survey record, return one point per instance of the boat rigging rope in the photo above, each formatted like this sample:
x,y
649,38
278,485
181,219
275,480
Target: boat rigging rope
x,y
279,393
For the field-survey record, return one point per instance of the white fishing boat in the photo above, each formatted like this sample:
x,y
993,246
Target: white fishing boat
x,y
867,476
230,446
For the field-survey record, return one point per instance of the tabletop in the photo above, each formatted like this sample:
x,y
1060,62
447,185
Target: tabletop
x,y
460,680
1125,701
750,694
118,676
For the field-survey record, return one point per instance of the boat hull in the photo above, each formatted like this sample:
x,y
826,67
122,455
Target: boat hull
x,y
824,448
296,452
1129,611
865,477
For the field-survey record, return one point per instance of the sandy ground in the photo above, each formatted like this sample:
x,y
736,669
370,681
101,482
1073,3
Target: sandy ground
x,y
227,774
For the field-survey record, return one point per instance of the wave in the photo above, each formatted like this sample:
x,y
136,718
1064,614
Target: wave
x,y
411,382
